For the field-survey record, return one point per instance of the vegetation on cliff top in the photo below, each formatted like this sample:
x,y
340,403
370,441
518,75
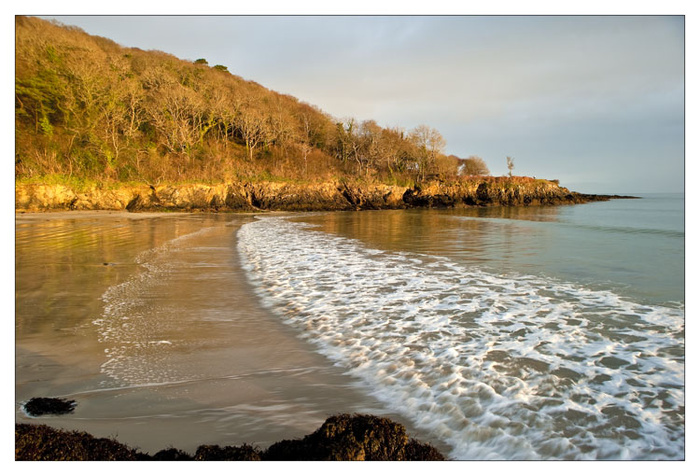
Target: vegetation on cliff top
x,y
88,109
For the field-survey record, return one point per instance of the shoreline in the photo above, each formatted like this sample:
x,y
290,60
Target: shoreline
x,y
231,366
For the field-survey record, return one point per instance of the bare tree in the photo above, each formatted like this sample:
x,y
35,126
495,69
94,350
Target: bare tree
x,y
305,139
174,112
370,137
392,149
430,144
509,162
253,125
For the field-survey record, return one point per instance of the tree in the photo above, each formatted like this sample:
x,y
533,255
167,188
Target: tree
x,y
84,106
174,111
305,137
33,99
281,123
472,165
225,104
370,147
445,166
509,162
253,124
346,145
392,149
430,144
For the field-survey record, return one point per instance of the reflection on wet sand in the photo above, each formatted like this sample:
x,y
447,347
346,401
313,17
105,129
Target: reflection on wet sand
x,y
149,324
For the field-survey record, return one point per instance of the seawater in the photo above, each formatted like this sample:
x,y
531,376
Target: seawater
x,y
506,333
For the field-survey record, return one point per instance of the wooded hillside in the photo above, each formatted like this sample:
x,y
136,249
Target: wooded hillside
x,y
90,109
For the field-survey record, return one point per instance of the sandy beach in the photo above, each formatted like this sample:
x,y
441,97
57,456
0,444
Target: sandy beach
x,y
147,321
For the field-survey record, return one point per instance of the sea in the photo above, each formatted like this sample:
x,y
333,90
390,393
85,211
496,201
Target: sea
x,y
508,333
532,333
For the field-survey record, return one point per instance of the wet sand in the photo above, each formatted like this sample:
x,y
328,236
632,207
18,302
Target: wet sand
x,y
147,321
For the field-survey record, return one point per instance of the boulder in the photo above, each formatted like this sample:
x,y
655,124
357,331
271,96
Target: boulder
x,y
353,438
49,406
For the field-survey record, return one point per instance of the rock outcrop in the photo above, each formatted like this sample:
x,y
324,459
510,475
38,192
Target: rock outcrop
x,y
284,196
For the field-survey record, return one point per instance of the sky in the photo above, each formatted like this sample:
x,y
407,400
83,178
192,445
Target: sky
x,y
594,101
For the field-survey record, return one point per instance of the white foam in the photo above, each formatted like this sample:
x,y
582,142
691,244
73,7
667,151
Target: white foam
x,y
128,326
504,367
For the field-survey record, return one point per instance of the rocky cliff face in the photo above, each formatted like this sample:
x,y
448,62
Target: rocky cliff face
x,y
492,193
298,197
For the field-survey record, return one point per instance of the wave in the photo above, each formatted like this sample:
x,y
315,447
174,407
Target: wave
x,y
496,366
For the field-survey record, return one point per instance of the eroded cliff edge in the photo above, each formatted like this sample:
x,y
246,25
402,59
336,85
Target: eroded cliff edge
x,y
287,196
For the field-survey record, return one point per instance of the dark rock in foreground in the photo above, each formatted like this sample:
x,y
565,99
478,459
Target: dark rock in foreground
x,y
340,438
358,438
227,453
42,443
51,406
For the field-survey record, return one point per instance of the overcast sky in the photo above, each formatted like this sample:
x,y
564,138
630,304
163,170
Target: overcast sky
x,y
595,101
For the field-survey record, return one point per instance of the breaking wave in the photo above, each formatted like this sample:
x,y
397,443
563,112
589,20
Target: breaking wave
x,y
496,366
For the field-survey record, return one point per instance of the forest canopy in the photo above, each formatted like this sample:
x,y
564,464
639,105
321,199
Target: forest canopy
x,y
88,108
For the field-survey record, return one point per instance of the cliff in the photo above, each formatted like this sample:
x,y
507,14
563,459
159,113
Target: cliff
x,y
287,196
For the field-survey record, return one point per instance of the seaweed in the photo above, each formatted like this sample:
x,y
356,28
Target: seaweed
x,y
354,438
341,438
42,443
227,453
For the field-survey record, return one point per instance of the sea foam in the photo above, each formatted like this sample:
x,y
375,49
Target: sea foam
x,y
496,366
129,327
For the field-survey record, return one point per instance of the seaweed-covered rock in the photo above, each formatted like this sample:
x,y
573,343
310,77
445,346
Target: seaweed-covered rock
x,y
227,453
340,438
42,443
171,454
353,438
52,406
417,451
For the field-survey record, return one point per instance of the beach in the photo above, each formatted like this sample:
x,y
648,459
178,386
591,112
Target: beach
x,y
148,323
